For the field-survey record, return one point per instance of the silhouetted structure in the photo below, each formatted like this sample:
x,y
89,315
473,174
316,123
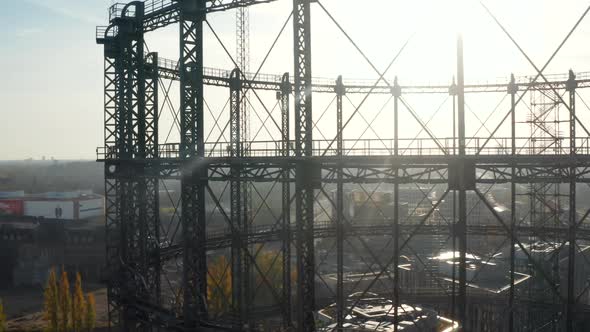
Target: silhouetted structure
x,y
159,279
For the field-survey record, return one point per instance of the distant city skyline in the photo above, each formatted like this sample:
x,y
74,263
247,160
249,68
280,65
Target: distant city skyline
x,y
52,89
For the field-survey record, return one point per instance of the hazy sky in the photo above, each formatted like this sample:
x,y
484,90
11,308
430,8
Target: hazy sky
x,y
51,93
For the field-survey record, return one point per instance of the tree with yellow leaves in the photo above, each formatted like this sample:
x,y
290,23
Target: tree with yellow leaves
x,y
270,263
65,302
90,315
219,288
2,318
78,306
51,301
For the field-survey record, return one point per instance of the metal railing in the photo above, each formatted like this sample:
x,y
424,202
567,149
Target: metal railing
x,y
384,147
116,11
221,237
152,6
173,65
362,82
104,32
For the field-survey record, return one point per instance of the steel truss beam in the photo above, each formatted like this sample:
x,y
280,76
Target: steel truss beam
x,y
264,81
161,13
382,169
221,240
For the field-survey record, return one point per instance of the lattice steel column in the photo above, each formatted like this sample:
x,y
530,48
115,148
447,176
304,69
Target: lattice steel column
x,y
237,218
571,283
152,182
122,172
397,92
129,193
340,301
283,97
512,90
243,60
112,76
112,204
194,172
453,94
151,106
135,260
303,148
461,227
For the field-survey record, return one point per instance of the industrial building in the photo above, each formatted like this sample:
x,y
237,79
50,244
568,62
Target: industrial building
x,y
369,312
77,205
44,230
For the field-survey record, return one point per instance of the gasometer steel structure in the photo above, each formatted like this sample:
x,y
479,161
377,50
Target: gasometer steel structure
x,y
159,280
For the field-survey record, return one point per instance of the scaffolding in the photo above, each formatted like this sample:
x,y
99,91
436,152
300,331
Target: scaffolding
x,y
266,204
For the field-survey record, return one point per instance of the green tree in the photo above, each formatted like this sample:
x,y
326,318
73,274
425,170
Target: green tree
x,y
2,318
65,302
78,306
50,312
90,315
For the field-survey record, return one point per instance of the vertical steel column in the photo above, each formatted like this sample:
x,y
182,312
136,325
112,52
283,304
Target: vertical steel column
x,y
194,172
139,181
122,170
138,85
461,229
283,96
126,180
148,188
141,209
235,86
453,94
112,78
152,107
512,89
340,301
124,174
243,61
303,148
397,92
571,283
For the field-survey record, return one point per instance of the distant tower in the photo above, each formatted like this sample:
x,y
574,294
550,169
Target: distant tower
x,y
243,60
546,200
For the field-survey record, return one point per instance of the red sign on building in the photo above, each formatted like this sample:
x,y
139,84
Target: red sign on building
x,y
11,207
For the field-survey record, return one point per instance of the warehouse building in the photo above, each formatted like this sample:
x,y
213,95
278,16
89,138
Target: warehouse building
x,y
75,205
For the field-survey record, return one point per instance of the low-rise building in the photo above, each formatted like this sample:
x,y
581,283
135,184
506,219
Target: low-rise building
x,y
370,312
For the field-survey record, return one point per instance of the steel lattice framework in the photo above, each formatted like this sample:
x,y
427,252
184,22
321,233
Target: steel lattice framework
x,y
157,280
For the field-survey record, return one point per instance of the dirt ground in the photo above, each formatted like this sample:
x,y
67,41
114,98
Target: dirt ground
x,y
24,308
